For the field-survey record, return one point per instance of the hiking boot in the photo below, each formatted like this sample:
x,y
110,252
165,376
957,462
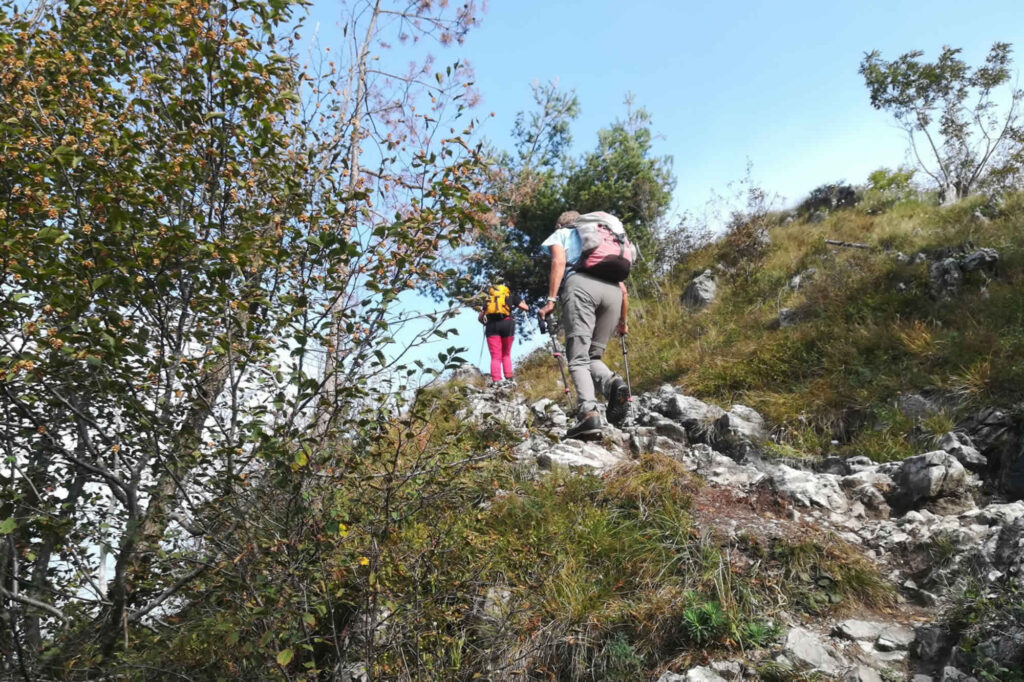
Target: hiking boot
x,y
586,428
618,402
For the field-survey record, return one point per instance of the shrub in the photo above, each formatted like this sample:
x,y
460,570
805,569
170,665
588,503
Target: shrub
x,y
829,197
886,188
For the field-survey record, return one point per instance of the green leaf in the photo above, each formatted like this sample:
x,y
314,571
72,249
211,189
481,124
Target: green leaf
x,y
7,526
309,619
64,154
285,656
49,234
301,459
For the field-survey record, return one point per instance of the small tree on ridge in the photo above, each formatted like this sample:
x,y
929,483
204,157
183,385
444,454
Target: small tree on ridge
x,y
970,132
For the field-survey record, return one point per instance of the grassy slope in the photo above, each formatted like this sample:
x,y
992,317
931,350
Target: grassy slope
x,y
860,342
620,577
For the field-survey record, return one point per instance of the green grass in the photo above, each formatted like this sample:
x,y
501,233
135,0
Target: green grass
x,y
611,575
984,614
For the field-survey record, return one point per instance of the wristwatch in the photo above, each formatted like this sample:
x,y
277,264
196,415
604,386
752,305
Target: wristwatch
x,y
552,299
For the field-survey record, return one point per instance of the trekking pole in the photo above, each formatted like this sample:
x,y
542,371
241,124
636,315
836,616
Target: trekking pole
x,y
625,364
545,328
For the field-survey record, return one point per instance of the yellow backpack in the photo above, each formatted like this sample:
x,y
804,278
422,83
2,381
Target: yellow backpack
x,y
497,303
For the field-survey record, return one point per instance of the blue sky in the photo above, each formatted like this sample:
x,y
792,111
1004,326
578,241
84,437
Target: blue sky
x,y
774,83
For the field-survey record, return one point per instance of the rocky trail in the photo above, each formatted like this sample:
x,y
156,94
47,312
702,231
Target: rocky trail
x,y
931,524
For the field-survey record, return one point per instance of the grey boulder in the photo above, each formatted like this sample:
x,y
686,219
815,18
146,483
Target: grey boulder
x,y
701,291
934,479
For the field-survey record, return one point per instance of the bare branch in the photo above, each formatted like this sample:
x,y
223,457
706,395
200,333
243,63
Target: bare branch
x,y
35,603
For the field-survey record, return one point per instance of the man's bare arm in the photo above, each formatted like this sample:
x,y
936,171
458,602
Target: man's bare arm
x,y
555,278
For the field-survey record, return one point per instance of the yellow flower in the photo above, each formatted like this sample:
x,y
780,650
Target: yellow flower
x,y
363,561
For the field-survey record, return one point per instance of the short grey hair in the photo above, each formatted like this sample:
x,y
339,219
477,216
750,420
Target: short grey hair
x,y
567,218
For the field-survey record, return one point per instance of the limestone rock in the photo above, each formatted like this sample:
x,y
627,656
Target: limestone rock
x,y
722,470
1000,514
743,422
466,372
933,643
915,406
649,439
484,408
895,638
951,674
1008,555
869,487
801,279
859,629
960,447
701,291
982,259
807,649
787,317
933,478
730,670
702,674
809,489
696,416
884,637
859,463
669,429
945,278
861,673
1000,438
990,428
574,453
548,413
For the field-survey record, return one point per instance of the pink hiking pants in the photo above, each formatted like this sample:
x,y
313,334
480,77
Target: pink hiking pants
x,y
501,356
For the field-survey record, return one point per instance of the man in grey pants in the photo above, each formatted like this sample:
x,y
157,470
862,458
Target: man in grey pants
x,y
592,309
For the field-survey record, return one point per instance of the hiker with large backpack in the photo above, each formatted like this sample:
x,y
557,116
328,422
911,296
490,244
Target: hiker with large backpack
x,y
590,258
500,328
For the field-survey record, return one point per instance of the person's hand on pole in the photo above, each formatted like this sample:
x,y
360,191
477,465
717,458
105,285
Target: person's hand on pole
x,y
546,309
623,328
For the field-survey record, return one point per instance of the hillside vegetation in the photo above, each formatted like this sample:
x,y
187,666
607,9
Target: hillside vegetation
x,y
868,327
432,551
226,455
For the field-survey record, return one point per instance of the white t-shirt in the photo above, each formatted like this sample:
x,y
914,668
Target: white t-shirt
x,y
568,239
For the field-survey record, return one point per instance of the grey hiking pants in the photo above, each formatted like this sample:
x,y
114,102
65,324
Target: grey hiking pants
x,y
590,314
